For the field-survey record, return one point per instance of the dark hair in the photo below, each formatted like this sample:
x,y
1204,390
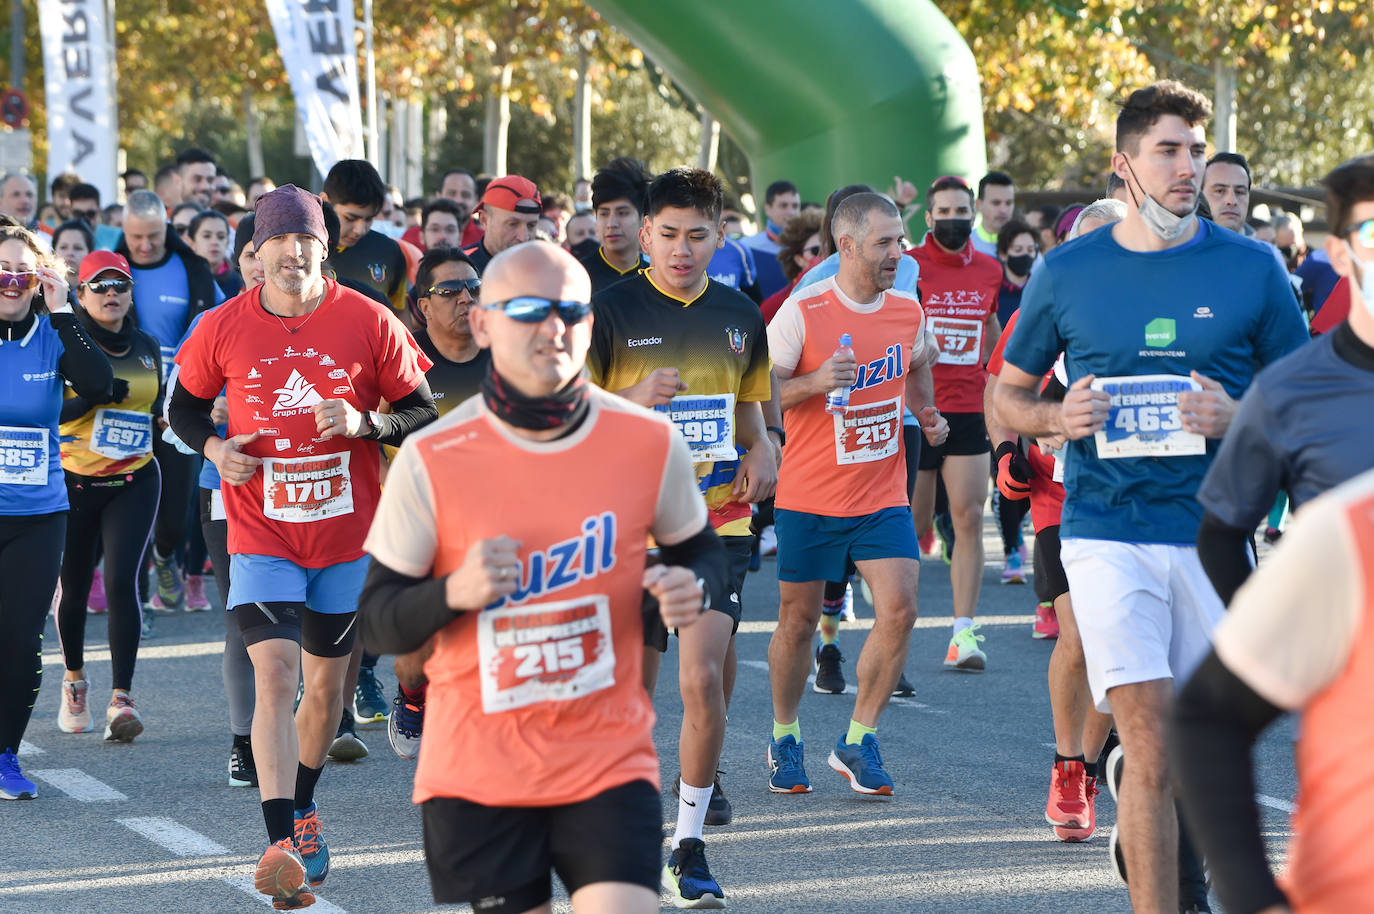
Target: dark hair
x,y
415,205
356,183
1258,224
456,171
164,173
331,227
196,156
243,236
557,200
1144,107
481,182
793,239
778,187
433,259
1049,214
189,204
64,182
84,192
1009,232
440,205
832,202
1229,158
621,179
948,182
687,188
1348,183
997,178
1114,183
133,173
74,225
228,208
201,218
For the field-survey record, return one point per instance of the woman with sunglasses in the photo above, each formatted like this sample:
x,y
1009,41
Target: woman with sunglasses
x,y
72,241
208,235
113,485
40,353
799,248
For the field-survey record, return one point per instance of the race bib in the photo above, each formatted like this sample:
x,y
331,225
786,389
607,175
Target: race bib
x,y
23,456
868,431
545,652
960,339
1144,418
708,424
119,434
217,505
299,490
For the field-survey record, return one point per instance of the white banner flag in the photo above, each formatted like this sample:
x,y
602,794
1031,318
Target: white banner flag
x,y
317,46
78,78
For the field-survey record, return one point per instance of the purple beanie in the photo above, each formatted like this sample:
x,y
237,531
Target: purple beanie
x,y
288,210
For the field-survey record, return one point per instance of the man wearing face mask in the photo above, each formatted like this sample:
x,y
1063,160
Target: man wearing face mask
x,y
959,287
1151,372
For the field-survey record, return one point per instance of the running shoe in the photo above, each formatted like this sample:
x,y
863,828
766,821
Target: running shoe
x,y
903,688
243,771
927,542
964,655
122,722
405,726
768,541
346,746
1110,743
156,604
1272,535
1046,622
13,784
718,811
196,601
1115,771
829,679
944,529
147,614
95,600
1118,856
1070,808
314,852
74,716
369,704
862,765
281,875
688,879
787,766
170,586
1013,569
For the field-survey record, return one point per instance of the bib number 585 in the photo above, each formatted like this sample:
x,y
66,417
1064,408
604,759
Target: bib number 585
x,y
20,457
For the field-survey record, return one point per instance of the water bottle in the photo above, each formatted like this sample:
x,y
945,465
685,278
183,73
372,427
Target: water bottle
x,y
837,400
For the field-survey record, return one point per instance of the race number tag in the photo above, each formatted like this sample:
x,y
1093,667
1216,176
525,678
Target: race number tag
x,y
23,456
217,505
545,652
868,431
119,434
299,490
708,424
1144,419
960,339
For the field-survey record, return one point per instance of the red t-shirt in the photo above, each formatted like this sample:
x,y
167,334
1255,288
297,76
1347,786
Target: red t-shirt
x,y
958,292
1334,310
313,499
472,233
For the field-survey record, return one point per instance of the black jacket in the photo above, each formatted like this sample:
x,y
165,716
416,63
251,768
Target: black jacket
x,y
199,280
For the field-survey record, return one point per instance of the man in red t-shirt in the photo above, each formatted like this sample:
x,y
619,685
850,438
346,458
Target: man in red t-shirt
x,y
959,288
300,470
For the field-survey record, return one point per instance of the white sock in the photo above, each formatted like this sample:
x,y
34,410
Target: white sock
x,y
691,811
961,624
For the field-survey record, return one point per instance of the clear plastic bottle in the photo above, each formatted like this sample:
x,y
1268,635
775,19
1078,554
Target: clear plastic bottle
x,y
837,400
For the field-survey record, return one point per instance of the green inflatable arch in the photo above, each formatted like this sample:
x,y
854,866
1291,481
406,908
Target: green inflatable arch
x,y
822,92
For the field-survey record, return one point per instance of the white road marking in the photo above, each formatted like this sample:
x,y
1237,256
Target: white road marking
x,y
28,748
765,626
146,652
78,785
174,837
1275,803
244,883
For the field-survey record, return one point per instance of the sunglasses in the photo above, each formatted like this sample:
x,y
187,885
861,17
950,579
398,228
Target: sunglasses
x,y
451,287
1364,233
20,281
182,228
105,286
531,309
90,215
812,251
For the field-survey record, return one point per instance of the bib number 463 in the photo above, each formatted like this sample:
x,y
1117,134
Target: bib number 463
x,y
1149,419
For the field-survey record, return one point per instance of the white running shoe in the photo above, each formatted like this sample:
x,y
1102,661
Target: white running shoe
x,y
74,716
122,721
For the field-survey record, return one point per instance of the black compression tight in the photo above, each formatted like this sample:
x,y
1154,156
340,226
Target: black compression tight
x,y
1010,513
179,489
30,557
117,513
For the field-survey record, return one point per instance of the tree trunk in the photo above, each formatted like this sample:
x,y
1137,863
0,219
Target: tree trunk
x,y
498,123
253,134
582,118
1224,126
710,142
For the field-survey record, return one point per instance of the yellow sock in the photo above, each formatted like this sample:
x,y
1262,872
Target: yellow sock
x,y
830,628
793,730
856,734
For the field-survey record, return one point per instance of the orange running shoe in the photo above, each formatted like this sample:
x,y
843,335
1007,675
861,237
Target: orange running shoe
x,y
1070,806
281,874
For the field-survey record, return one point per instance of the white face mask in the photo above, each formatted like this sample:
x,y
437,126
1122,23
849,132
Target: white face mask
x,y
1165,224
1366,271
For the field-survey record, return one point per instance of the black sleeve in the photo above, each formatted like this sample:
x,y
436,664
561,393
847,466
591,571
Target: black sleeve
x,y
1215,723
413,411
704,554
753,291
189,416
158,406
82,365
398,613
1225,555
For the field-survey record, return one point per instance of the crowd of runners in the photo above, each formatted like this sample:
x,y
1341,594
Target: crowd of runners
x,y
524,443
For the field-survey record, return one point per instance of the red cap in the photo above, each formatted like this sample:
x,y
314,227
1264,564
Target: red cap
x,y
512,193
97,262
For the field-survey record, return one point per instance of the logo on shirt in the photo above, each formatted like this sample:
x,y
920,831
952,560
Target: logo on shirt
x,y
377,271
1160,333
586,555
254,373
1203,311
309,353
342,389
890,367
736,337
252,399
644,341
338,374
297,393
41,375
283,444
275,358
147,362
326,362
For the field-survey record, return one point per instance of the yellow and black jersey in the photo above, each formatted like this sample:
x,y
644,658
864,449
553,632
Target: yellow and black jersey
x,y
452,382
115,438
377,262
719,346
603,274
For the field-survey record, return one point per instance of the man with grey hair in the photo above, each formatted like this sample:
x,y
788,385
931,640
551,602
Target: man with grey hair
x,y
1095,215
19,198
842,492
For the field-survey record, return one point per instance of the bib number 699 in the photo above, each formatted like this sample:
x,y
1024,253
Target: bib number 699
x,y
548,657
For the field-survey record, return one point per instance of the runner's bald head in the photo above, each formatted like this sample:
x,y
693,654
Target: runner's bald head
x,y
535,268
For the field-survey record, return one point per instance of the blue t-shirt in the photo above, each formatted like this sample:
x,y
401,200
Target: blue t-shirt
x,y
162,299
765,252
1218,304
908,272
30,404
733,265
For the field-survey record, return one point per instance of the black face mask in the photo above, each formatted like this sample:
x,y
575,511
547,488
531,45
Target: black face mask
x,y
952,234
1020,265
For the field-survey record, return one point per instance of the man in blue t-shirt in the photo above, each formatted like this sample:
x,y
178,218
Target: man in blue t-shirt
x,y
1153,369
781,201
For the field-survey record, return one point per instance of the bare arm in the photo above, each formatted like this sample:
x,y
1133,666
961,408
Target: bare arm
x,y
992,331
1017,405
997,433
833,372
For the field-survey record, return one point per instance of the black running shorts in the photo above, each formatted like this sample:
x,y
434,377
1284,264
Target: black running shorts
x,y
1050,580
968,435
739,549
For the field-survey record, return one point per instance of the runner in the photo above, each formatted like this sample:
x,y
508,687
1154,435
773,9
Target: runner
x,y
672,339
842,492
618,202
112,486
508,212
41,351
1150,380
365,256
300,473
540,755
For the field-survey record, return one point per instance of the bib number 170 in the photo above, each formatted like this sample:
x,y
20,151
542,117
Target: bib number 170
x,y
300,492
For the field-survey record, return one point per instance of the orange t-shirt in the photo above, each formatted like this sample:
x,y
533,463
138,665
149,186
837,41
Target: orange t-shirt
x,y
538,699
850,465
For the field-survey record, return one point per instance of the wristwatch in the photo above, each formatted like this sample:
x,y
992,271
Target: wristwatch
x,y
372,423
782,436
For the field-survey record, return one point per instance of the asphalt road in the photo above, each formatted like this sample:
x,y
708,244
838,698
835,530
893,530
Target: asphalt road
x,y
153,827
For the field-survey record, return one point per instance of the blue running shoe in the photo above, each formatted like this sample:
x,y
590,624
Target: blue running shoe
x,y
862,765
13,784
314,852
688,880
369,704
787,771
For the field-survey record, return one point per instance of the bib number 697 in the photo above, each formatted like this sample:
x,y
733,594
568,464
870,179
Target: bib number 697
x,y
548,657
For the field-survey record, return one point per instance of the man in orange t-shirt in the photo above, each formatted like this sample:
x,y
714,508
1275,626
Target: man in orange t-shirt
x,y
538,753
